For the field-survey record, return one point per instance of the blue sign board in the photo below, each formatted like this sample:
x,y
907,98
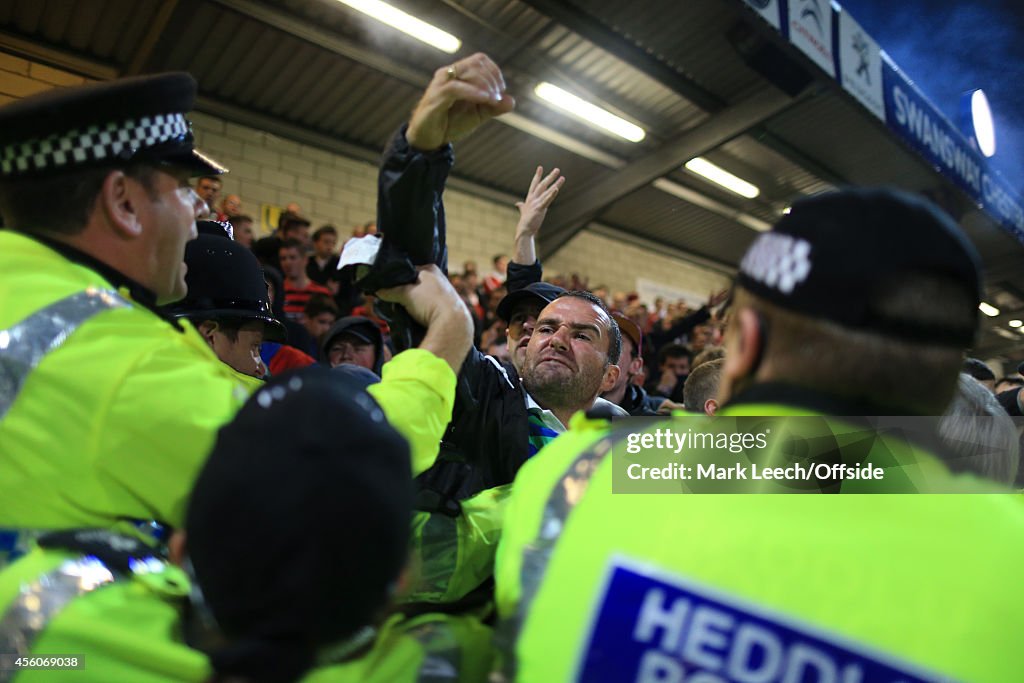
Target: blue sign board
x,y
651,627
918,123
908,114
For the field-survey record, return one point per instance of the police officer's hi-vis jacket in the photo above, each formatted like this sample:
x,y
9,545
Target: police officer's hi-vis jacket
x,y
107,411
595,586
113,612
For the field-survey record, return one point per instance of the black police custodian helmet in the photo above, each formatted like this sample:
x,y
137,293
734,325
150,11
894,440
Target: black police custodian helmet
x,y
225,281
120,121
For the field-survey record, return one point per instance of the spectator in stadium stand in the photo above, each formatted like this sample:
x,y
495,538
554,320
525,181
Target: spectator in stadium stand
x,y
297,286
318,316
354,340
208,189
227,300
838,311
291,226
673,367
980,437
498,349
243,230
368,228
671,329
708,354
323,264
500,421
279,357
230,206
700,392
1012,400
980,371
625,393
1009,383
498,275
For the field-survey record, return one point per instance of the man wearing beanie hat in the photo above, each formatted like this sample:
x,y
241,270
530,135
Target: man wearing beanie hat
x,y
858,302
263,582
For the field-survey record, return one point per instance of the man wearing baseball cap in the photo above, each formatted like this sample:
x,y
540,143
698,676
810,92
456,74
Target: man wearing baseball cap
x,y
356,340
858,302
630,397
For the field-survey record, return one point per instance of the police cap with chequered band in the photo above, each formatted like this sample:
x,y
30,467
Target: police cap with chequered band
x,y
120,121
837,256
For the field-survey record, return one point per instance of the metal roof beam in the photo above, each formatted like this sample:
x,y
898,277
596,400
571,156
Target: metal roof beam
x,y
172,15
589,27
37,51
283,21
575,210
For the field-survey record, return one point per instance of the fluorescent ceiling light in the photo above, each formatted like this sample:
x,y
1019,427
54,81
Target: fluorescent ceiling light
x,y
720,176
406,23
1015,323
988,309
589,113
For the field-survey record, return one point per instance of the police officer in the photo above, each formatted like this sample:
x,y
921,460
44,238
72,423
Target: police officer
x,y
857,303
109,407
227,299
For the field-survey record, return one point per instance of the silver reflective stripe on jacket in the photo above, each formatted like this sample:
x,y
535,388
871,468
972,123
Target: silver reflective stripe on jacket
x,y
37,603
565,496
23,346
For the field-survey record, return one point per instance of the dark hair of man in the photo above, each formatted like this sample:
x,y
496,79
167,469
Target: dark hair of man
x,y
614,333
292,243
290,226
978,370
242,218
214,178
61,203
909,376
673,351
320,303
325,230
702,384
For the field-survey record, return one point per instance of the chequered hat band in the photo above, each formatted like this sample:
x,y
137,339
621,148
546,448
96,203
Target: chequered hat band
x,y
95,143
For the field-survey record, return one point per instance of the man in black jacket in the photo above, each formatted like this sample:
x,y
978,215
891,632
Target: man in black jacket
x,y
625,393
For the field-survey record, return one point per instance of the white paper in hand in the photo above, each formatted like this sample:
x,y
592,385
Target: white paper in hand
x,y
360,251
